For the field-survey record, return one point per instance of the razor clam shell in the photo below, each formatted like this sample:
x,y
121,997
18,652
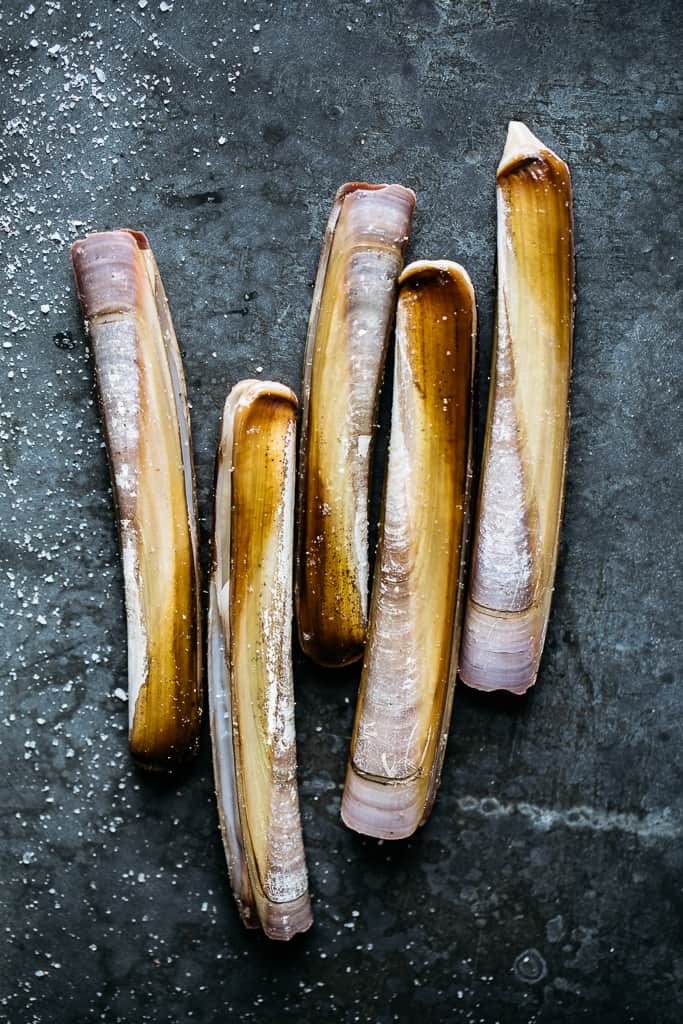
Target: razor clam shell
x,y
349,327
250,670
525,450
145,419
409,672
220,718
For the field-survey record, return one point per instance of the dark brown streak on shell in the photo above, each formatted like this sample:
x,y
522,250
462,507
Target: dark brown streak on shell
x,y
410,664
521,499
361,241
139,375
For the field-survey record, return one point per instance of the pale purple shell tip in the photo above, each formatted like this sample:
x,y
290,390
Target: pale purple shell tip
x,y
381,810
282,921
500,652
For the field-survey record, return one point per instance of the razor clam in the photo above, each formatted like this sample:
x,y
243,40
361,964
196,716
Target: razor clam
x,y
348,333
525,450
410,666
251,691
143,405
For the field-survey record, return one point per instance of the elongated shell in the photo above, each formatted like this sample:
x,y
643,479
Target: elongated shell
x,y
143,405
406,695
350,322
250,668
523,470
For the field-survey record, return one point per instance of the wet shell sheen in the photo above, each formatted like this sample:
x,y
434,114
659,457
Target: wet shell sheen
x,y
523,469
141,390
350,322
250,670
410,666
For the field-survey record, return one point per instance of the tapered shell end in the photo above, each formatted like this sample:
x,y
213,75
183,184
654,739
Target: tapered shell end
x,y
375,215
500,653
97,238
282,921
332,652
520,145
381,810
107,270
402,191
428,269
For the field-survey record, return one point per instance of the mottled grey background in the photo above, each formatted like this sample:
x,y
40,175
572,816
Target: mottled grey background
x,y
547,885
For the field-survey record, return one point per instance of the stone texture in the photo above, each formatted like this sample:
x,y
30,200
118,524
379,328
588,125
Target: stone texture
x,y
546,886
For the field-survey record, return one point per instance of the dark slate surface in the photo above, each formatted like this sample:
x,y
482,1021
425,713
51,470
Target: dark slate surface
x,y
546,887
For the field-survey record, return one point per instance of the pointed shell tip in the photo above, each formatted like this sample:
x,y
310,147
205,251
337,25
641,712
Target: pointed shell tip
x,y
520,143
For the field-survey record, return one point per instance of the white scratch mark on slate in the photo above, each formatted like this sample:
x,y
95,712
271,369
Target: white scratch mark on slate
x,y
659,824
